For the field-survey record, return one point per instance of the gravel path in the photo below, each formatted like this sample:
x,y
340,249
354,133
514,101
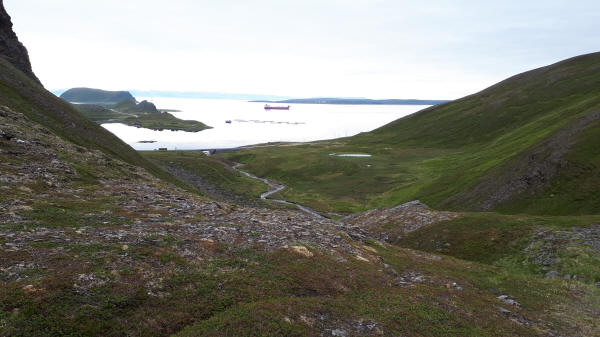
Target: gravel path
x,y
274,188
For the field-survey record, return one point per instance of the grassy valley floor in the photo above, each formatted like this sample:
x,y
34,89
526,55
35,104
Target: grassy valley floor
x,y
345,184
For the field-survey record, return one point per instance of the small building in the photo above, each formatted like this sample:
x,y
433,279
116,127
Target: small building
x,y
162,149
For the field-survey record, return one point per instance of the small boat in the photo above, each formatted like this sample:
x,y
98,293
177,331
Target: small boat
x,y
268,107
228,121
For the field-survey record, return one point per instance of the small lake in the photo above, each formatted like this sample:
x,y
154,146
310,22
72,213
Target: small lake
x,y
356,155
251,124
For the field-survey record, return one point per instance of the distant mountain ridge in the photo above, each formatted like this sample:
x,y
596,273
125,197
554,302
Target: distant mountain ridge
x,y
359,101
205,95
96,96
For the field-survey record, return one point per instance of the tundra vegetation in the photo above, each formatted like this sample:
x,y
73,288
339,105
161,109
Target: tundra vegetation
x,y
99,240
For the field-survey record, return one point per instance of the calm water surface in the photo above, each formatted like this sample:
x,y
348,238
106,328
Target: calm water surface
x,y
251,124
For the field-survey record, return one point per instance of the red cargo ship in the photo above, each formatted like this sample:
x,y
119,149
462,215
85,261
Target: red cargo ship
x,y
268,107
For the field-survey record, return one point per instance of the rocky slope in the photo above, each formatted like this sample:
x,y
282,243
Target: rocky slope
x,y
40,171
57,196
391,223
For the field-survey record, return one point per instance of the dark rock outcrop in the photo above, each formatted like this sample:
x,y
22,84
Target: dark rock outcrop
x,y
128,105
10,48
145,106
391,223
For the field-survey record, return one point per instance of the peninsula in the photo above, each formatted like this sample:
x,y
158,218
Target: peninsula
x,y
103,106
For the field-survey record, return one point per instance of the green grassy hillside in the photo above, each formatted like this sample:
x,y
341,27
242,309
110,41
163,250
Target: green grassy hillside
x,y
546,96
527,144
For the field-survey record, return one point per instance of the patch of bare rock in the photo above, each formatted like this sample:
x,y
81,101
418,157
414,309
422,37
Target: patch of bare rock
x,y
388,224
546,246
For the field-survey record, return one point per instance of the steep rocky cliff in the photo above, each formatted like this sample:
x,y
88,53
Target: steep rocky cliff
x,y
10,48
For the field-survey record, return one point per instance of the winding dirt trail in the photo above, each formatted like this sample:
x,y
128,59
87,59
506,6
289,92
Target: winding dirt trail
x,y
274,188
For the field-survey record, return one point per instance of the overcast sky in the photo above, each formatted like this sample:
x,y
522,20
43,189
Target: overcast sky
x,y
348,48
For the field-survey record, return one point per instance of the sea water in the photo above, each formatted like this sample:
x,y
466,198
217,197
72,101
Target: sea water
x,y
251,124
